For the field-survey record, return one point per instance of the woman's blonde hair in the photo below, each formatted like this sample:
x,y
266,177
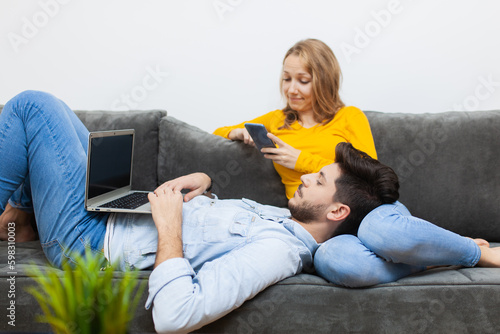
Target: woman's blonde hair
x,y
324,68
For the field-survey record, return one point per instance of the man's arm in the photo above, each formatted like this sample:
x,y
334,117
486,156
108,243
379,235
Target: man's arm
x,y
166,207
185,301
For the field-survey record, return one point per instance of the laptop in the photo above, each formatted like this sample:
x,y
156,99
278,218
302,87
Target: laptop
x,y
108,186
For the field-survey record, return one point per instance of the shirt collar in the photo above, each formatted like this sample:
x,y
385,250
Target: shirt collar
x,y
302,234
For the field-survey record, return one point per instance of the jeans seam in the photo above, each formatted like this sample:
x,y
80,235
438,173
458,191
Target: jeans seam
x,y
62,160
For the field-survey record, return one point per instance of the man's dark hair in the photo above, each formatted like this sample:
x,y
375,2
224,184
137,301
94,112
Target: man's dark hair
x,y
364,184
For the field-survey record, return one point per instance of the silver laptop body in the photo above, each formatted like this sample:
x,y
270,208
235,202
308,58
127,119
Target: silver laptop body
x,y
109,172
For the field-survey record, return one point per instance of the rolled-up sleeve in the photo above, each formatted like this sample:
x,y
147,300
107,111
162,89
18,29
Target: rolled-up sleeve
x,y
184,301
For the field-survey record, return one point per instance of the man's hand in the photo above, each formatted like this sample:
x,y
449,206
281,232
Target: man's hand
x,y
198,183
285,155
242,135
166,207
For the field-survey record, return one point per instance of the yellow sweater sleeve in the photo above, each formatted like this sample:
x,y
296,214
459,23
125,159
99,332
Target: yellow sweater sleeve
x,y
269,120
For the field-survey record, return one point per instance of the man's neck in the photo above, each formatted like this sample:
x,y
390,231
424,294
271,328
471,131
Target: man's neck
x,y
320,231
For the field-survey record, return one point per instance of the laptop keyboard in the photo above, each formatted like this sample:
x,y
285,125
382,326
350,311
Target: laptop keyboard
x,y
131,201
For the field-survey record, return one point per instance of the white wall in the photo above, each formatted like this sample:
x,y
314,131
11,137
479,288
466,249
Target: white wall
x,y
217,62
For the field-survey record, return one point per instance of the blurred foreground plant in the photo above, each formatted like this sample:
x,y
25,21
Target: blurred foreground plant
x,y
84,299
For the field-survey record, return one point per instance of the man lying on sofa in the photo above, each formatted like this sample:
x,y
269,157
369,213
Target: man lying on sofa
x,y
211,255
253,257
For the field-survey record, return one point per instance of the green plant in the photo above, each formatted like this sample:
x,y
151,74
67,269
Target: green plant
x,y
85,299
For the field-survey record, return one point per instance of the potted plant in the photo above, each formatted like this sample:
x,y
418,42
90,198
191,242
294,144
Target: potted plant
x,y
82,298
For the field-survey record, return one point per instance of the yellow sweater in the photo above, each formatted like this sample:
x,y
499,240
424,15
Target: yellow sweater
x,y
317,144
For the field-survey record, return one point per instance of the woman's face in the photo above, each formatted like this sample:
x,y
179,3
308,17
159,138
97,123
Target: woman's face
x,y
297,85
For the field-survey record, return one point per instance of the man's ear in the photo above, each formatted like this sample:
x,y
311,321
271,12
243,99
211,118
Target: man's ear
x,y
338,212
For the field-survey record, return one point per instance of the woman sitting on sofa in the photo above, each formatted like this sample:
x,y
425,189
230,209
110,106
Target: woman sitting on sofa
x,y
314,120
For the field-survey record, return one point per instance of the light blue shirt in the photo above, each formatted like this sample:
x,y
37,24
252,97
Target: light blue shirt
x,y
233,249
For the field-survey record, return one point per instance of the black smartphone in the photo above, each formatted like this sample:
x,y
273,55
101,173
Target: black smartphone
x,y
258,132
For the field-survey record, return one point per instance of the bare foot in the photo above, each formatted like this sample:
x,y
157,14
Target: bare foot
x,y
21,230
481,242
490,257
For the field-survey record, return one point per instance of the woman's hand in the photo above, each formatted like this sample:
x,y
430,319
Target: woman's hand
x,y
242,135
198,183
285,155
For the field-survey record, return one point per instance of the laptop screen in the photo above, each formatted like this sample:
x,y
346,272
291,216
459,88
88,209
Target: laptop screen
x,y
110,163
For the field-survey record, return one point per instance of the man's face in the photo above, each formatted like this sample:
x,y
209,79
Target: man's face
x,y
314,196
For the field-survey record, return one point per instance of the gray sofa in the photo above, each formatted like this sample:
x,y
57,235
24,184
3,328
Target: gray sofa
x,y
448,165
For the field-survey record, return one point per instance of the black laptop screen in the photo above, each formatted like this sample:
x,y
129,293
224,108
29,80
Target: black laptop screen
x,y
110,164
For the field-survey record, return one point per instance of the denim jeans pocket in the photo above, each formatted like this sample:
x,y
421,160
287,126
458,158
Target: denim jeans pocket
x,y
57,253
54,252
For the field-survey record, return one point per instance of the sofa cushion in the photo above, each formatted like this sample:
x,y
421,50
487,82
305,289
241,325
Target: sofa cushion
x,y
237,170
448,166
442,300
146,125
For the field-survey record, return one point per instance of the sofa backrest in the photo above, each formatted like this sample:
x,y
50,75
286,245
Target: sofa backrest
x,y
146,125
237,170
447,162
448,166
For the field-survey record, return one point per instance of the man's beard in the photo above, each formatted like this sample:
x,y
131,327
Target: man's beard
x,y
306,212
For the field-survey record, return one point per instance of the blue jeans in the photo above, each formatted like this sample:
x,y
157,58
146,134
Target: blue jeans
x,y
391,244
43,147
21,199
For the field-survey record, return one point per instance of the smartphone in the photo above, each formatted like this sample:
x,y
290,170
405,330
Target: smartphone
x,y
258,132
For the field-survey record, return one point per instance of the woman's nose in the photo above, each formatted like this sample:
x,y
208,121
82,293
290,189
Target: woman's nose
x,y
293,87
